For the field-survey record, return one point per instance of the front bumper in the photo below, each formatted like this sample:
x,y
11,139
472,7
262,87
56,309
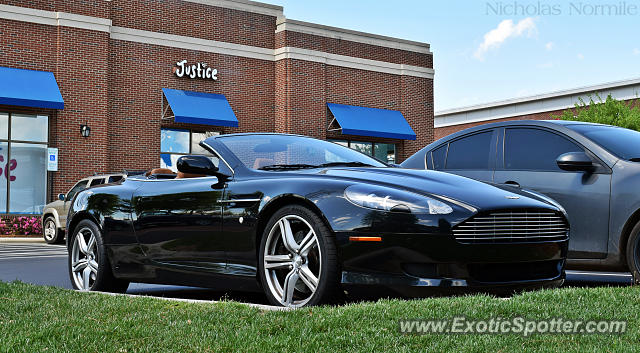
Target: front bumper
x,y
410,262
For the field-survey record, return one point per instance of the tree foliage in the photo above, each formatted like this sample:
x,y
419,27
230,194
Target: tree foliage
x,y
610,111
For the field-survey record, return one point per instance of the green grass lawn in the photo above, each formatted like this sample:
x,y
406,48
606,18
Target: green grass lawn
x,y
39,319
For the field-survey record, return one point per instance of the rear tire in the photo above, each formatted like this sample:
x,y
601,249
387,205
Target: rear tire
x,y
300,268
50,231
89,267
633,253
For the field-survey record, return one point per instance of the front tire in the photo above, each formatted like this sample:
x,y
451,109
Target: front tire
x,y
89,267
297,263
51,233
633,253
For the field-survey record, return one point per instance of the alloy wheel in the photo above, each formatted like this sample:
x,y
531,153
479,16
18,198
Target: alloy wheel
x,y
49,230
84,261
292,261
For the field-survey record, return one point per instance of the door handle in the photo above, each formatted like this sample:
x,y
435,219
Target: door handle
x,y
512,183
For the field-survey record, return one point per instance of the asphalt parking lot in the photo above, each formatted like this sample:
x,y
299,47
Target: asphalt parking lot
x,y
45,264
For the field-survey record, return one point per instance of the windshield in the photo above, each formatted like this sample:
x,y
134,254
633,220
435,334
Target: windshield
x,y
624,143
271,152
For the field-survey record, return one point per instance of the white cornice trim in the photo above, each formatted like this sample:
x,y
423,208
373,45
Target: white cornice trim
x,y
553,94
352,62
285,24
84,22
244,5
191,43
560,100
52,18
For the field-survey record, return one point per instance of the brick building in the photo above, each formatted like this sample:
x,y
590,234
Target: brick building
x,y
539,107
116,63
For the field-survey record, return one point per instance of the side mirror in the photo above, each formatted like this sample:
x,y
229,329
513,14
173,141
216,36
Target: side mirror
x,y
196,165
575,162
61,197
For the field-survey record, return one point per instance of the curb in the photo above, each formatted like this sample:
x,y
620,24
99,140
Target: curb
x,y
22,240
199,301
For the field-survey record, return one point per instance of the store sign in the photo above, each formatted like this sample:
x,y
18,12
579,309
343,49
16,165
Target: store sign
x,y
52,159
199,70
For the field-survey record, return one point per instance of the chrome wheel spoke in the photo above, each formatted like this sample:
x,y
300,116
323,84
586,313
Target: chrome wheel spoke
x,y
287,236
91,244
308,278
289,287
86,276
308,243
277,261
82,244
94,265
79,265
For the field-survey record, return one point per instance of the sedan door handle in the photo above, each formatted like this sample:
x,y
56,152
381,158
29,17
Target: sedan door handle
x,y
512,183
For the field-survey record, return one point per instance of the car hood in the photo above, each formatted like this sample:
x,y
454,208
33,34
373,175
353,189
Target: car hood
x,y
471,192
55,204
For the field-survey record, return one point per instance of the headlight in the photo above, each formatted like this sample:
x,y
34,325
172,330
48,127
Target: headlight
x,y
392,200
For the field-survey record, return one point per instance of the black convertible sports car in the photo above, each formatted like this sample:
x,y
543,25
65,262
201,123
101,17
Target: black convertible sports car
x,y
304,219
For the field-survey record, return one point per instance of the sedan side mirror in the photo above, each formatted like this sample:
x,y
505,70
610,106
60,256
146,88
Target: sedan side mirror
x,y
61,197
196,165
575,162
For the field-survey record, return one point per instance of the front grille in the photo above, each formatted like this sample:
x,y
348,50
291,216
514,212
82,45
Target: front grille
x,y
516,226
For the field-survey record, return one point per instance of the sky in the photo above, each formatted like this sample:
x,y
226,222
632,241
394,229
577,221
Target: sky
x,y
487,51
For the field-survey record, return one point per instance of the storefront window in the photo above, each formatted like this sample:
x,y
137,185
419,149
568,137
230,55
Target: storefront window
x,y
30,128
364,147
385,152
23,164
28,183
177,142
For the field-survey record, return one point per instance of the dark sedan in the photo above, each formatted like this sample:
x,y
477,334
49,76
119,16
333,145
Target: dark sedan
x,y
592,170
305,219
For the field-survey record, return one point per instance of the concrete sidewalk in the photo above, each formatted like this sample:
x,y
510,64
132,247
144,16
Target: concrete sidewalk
x,y
4,240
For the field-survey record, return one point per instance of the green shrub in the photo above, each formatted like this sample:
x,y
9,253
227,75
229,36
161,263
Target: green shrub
x,y
610,111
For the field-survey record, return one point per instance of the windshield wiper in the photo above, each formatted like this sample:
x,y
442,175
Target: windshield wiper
x,y
287,166
634,159
346,164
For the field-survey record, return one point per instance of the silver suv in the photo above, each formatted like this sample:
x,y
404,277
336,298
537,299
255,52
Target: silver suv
x,y
54,216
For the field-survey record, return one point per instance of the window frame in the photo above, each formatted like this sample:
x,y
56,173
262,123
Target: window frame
x,y
191,132
86,185
501,160
492,147
373,147
10,141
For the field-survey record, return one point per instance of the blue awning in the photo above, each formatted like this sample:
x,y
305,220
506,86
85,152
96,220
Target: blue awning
x,y
363,121
200,108
29,88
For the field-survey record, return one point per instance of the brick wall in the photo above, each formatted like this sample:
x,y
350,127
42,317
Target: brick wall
x,y
115,85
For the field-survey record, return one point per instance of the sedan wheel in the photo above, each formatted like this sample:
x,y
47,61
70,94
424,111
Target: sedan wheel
x,y
50,231
298,260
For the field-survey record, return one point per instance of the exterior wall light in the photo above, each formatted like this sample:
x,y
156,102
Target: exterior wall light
x,y
85,130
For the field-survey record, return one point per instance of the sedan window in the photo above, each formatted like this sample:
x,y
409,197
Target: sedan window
x,y
81,185
97,181
535,149
624,143
438,155
470,152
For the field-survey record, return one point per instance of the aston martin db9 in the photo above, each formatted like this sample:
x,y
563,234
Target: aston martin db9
x,y
304,220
